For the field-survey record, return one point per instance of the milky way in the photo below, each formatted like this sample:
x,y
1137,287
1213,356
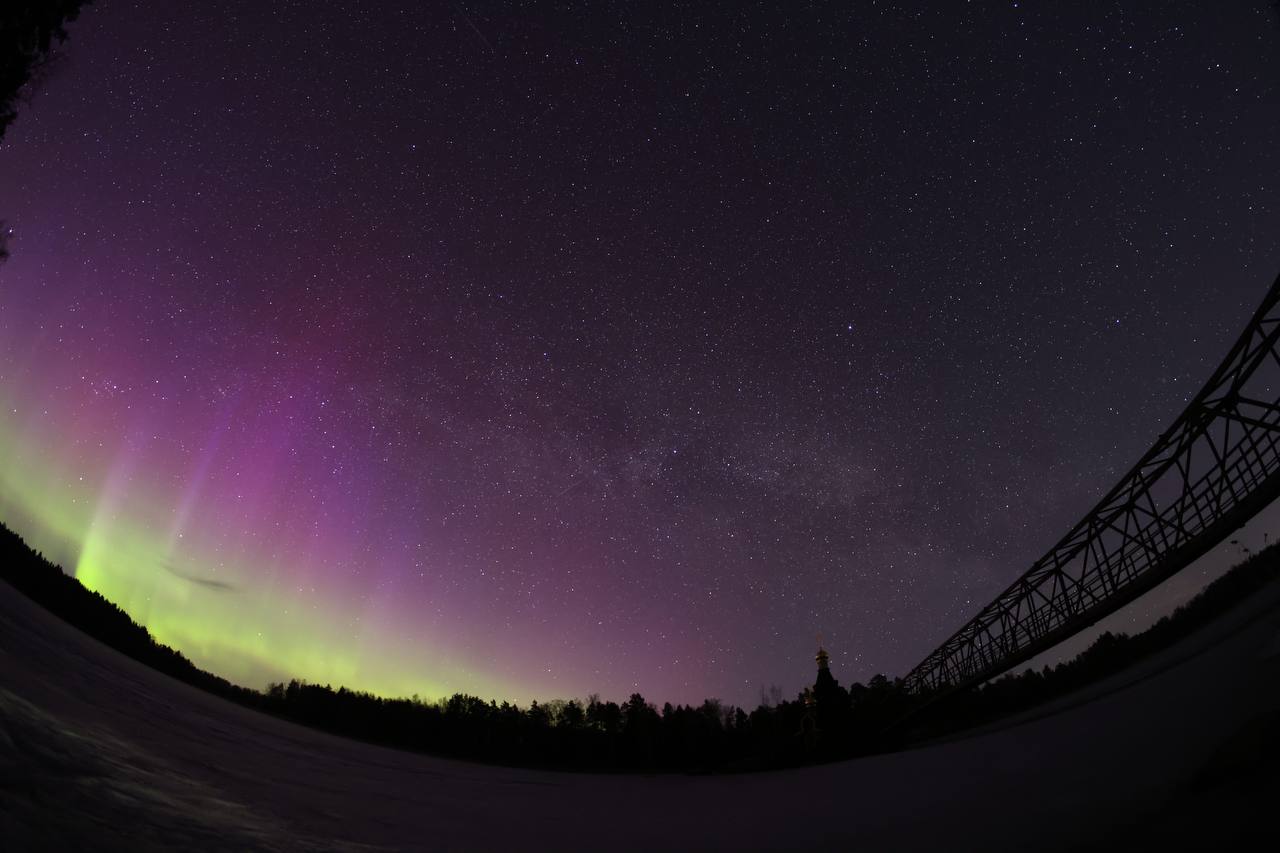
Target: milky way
x,y
545,352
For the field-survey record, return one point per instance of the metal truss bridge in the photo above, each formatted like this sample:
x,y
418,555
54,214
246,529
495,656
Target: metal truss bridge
x,y
1205,476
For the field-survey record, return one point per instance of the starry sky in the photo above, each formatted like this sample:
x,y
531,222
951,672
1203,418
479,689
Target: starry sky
x,y
540,350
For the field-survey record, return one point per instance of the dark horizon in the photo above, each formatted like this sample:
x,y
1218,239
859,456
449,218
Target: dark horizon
x,y
559,426
541,353
828,722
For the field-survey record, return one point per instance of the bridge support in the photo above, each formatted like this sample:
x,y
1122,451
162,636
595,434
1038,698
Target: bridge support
x,y
1209,473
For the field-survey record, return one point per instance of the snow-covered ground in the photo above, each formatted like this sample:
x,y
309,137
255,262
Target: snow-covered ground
x,y
99,752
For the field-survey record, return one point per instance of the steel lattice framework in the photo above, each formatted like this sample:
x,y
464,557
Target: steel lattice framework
x,y
1209,473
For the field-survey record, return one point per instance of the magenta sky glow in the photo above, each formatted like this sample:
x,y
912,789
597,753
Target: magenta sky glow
x,y
539,353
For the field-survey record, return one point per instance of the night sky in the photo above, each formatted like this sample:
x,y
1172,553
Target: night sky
x,y
540,351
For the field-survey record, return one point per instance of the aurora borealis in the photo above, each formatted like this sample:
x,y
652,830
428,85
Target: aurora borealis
x,y
542,352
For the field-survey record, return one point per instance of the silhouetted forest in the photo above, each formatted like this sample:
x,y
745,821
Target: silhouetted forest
x,y
825,722
30,31
1107,655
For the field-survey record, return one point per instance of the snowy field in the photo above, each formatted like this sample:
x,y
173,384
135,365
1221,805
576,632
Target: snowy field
x,y
100,753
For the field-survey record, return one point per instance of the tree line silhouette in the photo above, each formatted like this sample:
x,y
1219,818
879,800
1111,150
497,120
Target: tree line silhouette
x,y
823,723
1109,654
30,32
